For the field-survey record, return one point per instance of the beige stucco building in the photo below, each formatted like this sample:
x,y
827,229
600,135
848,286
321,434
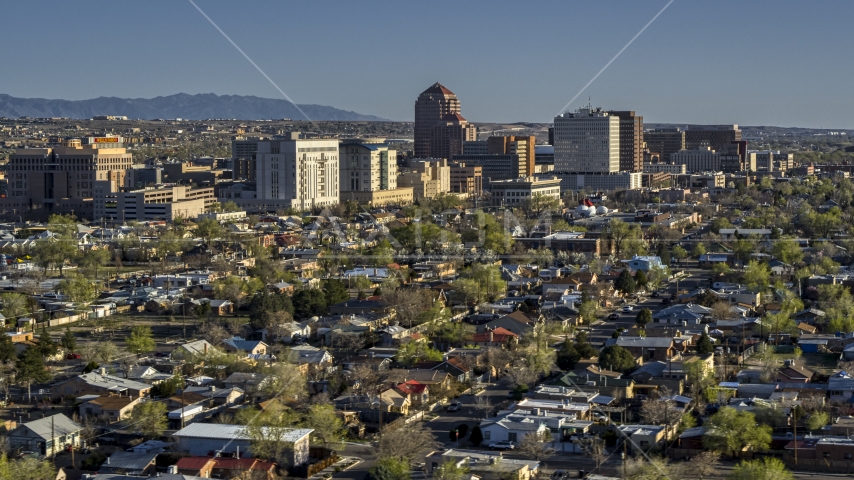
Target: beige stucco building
x,y
428,178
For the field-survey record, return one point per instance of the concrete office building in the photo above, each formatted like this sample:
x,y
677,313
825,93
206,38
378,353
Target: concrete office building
x,y
544,155
427,177
631,140
664,142
701,159
717,137
243,157
587,141
466,179
476,147
513,145
139,176
770,161
518,191
449,135
297,173
600,182
62,179
146,204
431,107
369,174
493,167
664,168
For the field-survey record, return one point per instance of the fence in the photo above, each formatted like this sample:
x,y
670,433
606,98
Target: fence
x,y
819,464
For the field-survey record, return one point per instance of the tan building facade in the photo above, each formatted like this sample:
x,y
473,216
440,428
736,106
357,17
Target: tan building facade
x,y
513,145
466,180
61,178
398,196
151,203
428,178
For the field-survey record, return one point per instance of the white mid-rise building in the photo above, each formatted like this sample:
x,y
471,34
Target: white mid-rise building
x,y
297,173
700,159
587,141
518,191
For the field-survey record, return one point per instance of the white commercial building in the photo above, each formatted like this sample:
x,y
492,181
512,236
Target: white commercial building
x,y
587,140
600,182
515,192
297,173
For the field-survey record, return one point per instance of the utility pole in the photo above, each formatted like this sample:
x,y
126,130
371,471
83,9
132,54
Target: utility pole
x,y
52,442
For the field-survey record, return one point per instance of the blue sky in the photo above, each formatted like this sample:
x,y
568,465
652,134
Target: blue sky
x,y
779,63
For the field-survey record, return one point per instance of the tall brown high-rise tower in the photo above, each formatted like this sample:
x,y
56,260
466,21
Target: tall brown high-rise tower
x,y
432,106
631,140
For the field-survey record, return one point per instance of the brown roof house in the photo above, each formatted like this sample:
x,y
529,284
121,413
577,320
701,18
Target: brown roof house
x,y
112,409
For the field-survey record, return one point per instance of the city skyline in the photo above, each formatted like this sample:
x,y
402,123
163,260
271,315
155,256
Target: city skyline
x,y
776,65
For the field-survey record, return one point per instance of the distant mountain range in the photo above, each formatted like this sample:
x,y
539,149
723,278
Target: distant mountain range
x,y
182,105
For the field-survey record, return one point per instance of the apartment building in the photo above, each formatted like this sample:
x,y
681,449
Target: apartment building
x,y
770,161
587,140
369,174
62,179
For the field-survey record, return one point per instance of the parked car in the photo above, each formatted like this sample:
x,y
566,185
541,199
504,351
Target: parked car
x,y
614,316
454,407
598,417
655,294
505,445
72,356
559,475
628,308
667,301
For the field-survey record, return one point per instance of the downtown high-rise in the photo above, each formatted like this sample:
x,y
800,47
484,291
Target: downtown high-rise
x,y
440,129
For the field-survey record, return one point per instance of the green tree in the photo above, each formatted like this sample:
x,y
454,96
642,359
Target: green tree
x,y
309,302
389,468
46,346
731,431
698,250
539,204
78,289
92,260
489,281
625,282
27,468
704,344
209,229
588,310
720,268
486,233
817,421
567,356
788,251
264,303
622,232
14,305
30,368
328,426
140,340
757,276
68,341
767,468
149,418
451,470
644,316
640,279
8,352
680,253
335,291
616,358
476,436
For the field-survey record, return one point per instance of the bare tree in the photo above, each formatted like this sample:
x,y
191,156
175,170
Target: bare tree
x,y
704,464
407,442
366,378
213,332
409,304
722,311
483,404
594,448
536,445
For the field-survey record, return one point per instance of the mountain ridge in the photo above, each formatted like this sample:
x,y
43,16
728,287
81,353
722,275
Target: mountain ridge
x,y
199,106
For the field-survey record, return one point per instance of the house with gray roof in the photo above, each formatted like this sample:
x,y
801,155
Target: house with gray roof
x,y
194,348
98,382
46,436
648,348
203,439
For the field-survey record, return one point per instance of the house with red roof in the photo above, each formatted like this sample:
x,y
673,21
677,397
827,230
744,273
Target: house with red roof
x,y
496,337
418,392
